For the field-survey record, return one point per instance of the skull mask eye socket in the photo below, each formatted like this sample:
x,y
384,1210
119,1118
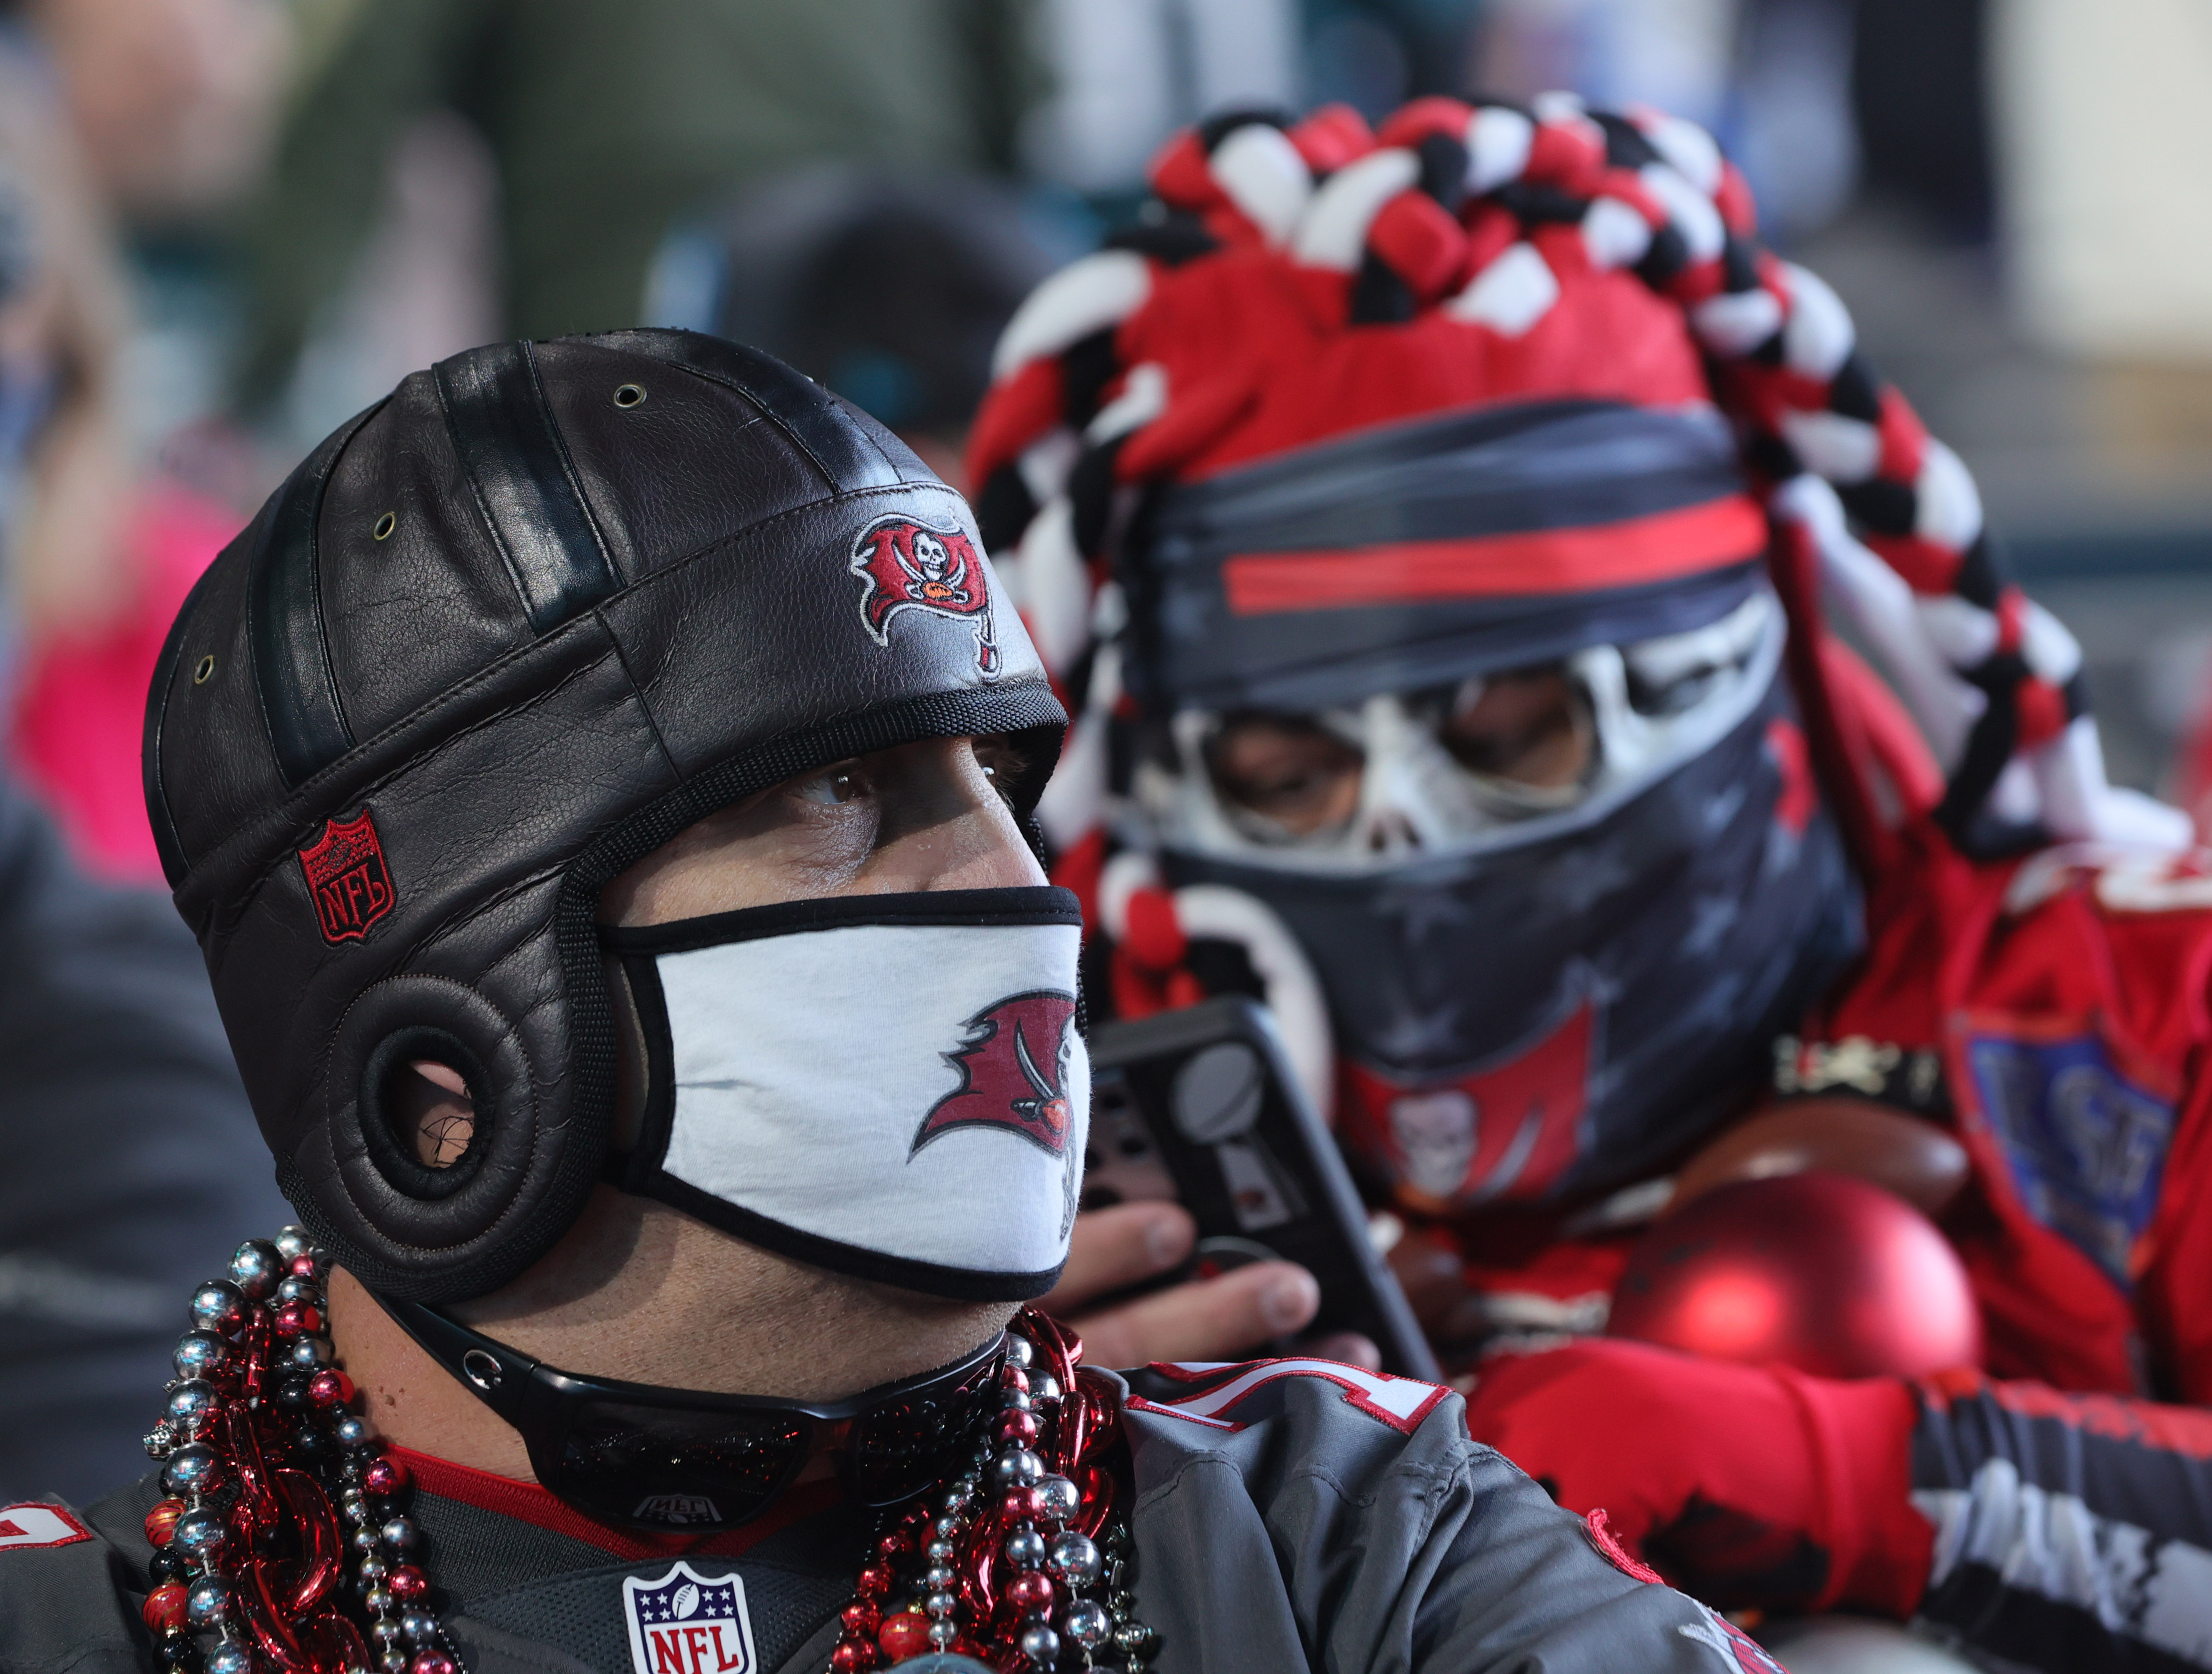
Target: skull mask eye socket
x,y
1527,727
1288,769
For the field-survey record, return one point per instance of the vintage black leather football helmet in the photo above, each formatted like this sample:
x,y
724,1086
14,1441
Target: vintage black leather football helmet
x,y
497,639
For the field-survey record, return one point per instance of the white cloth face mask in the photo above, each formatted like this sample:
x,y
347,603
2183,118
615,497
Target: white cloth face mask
x,y
891,1086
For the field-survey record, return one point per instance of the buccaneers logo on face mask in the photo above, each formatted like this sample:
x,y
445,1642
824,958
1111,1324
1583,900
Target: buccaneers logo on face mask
x,y
904,566
1013,1073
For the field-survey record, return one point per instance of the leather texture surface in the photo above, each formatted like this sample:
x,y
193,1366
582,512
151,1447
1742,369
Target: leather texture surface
x,y
524,487
530,632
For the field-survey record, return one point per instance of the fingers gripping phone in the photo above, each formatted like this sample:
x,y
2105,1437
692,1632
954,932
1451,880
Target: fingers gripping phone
x,y
1200,1106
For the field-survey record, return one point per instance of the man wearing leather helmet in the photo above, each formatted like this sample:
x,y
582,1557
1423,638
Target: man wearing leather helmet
x,y
603,817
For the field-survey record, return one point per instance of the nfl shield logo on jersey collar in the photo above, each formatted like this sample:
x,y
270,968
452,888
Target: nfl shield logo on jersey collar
x,y
688,1623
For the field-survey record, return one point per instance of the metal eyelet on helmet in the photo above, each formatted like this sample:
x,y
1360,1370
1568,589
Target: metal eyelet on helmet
x,y
630,395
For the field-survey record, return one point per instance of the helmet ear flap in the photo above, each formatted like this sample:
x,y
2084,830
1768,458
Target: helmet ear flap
x,y
431,1233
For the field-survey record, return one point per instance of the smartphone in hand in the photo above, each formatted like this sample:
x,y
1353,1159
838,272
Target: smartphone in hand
x,y
1200,1106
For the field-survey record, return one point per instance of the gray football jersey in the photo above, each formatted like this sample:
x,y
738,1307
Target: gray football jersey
x,y
1301,1514
1288,1515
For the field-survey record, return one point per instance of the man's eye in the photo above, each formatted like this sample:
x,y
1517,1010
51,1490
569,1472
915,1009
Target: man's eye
x,y
832,785
1002,764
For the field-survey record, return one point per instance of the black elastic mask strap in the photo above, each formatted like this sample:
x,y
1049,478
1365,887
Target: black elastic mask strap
x,y
980,909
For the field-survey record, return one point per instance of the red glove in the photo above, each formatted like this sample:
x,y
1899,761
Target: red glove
x,y
1742,1485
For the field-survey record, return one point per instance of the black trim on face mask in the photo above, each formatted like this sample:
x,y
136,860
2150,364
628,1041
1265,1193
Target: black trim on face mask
x,y
635,1170
979,909
959,1284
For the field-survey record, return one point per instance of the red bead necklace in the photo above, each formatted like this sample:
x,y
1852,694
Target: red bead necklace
x,y
1006,1562
275,1483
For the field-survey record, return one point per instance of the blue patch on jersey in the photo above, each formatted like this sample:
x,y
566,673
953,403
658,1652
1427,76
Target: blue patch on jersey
x,y
2087,1146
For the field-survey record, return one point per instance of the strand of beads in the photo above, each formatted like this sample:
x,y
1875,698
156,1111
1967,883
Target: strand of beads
x,y
1002,1560
256,1440
1131,1637
1033,1496
382,1538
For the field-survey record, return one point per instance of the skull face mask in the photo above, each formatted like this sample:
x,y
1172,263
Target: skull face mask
x,y
1557,911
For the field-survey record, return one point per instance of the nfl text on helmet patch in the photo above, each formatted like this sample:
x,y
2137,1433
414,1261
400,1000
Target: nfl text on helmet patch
x,y
347,877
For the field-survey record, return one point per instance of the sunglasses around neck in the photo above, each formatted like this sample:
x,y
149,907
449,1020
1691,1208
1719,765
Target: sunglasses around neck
x,y
681,1461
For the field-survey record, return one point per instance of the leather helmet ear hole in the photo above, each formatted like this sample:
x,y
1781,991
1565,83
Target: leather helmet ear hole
x,y
429,1106
425,1111
630,395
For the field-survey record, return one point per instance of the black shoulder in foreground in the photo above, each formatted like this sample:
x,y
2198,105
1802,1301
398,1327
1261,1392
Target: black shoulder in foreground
x,y
71,1582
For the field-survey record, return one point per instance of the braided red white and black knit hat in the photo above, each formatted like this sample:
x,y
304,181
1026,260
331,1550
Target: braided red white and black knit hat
x,y
1293,284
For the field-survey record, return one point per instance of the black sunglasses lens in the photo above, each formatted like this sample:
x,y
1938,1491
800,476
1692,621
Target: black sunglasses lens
x,y
661,1467
897,1450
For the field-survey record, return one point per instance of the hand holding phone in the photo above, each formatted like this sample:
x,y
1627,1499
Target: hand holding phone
x,y
1200,1106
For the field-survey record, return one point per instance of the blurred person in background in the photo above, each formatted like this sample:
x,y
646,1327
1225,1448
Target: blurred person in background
x,y
172,102
132,1150
63,303
1432,528
1124,78
604,124
888,285
153,112
132,1156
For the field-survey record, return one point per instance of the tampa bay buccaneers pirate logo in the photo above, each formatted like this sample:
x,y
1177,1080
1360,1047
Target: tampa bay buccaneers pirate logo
x,y
1013,1072
907,566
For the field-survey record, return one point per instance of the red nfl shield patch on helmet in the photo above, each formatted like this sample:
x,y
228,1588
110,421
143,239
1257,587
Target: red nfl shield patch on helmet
x,y
907,566
348,878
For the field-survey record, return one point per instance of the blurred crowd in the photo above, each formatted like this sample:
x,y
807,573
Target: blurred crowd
x,y
226,224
